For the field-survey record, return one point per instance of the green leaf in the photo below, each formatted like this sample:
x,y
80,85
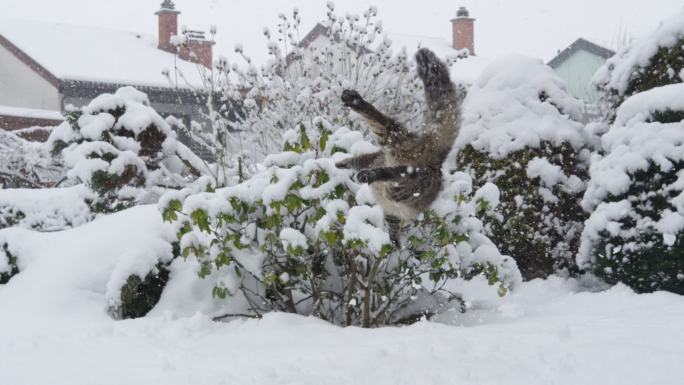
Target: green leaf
x,y
386,250
502,290
330,237
414,241
300,269
184,230
201,219
443,235
339,190
222,259
304,138
292,202
205,270
355,243
482,205
220,292
270,279
323,141
428,255
169,215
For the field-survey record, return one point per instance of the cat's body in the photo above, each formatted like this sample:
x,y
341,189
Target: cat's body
x,y
406,174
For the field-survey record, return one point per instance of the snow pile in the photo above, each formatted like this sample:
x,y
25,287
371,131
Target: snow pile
x,y
518,102
619,71
300,234
45,209
123,150
641,172
80,273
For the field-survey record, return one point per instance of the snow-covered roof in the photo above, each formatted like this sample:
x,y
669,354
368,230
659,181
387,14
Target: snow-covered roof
x,y
30,113
72,52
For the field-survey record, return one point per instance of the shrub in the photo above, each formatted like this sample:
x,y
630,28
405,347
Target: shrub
x,y
521,131
137,282
139,293
302,83
122,150
8,264
635,233
25,164
300,236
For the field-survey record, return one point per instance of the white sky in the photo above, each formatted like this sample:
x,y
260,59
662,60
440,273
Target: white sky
x,y
536,28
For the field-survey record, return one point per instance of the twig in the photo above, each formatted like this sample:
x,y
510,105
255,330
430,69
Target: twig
x,y
219,318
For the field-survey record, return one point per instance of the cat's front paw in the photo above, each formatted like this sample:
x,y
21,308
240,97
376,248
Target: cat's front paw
x,y
344,164
351,98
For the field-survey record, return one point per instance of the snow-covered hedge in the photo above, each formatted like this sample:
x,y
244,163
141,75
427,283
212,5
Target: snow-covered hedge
x,y
123,150
521,131
652,61
121,260
636,195
25,164
47,209
300,236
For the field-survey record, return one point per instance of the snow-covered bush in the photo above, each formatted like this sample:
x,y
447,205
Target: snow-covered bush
x,y
136,284
27,164
303,80
653,61
300,236
521,130
635,233
123,150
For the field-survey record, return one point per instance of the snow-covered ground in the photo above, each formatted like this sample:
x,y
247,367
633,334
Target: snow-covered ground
x,y
54,328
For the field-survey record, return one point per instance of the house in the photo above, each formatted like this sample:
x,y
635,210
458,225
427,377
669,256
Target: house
x,y
577,65
44,67
464,70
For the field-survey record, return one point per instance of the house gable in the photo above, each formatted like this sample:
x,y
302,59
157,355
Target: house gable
x,y
19,73
577,65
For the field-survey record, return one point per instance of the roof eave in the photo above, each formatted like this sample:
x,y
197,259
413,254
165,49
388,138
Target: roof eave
x,y
580,44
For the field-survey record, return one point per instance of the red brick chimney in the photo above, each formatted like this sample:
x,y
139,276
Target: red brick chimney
x,y
168,25
197,49
463,27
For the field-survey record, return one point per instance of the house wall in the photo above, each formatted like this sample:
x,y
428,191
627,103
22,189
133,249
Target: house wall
x,y
20,86
578,71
